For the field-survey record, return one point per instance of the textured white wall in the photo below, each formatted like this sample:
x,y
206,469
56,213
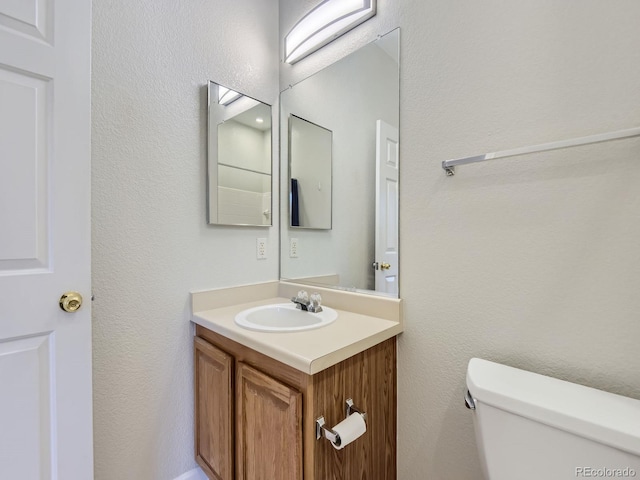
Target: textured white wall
x,y
151,243
532,262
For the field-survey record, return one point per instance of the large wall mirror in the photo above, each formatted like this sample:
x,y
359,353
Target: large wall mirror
x,y
239,159
355,102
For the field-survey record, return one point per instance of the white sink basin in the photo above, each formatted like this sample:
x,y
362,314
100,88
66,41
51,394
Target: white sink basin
x,y
284,317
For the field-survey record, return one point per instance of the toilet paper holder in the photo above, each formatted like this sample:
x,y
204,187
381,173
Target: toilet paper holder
x,y
350,409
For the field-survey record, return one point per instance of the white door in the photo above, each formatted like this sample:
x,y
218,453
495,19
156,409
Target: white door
x,y
45,352
386,261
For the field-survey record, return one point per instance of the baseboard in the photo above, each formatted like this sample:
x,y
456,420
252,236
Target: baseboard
x,y
195,474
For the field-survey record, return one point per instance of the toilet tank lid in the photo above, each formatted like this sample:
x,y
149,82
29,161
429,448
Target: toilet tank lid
x,y
600,416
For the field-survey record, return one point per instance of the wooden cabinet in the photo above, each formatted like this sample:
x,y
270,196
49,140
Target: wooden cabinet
x,y
255,417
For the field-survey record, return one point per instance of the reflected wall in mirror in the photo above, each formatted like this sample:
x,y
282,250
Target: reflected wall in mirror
x,y
309,174
357,99
239,158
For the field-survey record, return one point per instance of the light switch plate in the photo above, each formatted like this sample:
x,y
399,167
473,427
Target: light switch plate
x,y
293,248
261,248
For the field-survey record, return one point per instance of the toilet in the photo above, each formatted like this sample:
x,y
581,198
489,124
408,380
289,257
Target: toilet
x,y
533,427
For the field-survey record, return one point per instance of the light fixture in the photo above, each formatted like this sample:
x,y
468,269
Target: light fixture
x,y
226,95
259,120
325,23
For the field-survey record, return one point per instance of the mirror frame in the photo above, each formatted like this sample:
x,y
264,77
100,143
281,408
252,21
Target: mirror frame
x,y
290,219
320,280
212,155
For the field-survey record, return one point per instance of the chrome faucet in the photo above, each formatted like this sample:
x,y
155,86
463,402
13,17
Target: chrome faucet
x,y
308,303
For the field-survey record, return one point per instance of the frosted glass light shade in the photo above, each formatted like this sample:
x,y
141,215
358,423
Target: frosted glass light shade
x,y
226,95
324,24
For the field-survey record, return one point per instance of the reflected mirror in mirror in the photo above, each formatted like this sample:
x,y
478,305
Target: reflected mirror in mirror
x,y
239,158
357,100
310,174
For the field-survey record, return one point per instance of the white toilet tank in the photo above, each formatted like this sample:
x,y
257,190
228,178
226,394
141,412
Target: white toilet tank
x,y
533,427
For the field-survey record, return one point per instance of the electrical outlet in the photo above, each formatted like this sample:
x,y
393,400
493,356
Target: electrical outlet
x,y
293,248
261,248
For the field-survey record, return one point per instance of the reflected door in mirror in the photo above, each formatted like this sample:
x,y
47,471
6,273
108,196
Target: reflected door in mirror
x,y
387,176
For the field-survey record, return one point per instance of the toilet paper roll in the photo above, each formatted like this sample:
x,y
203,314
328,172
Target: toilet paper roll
x,y
347,431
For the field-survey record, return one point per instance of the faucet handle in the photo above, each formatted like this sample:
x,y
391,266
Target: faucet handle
x,y
314,304
315,299
303,296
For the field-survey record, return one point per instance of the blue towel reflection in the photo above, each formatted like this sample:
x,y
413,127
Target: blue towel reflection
x,y
295,213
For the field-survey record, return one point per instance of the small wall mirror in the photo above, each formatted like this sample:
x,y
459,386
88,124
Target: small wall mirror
x,y
310,174
239,158
352,110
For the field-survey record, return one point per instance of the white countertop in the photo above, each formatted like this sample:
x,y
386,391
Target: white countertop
x,y
310,351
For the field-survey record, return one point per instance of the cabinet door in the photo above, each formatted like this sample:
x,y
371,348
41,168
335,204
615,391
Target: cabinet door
x,y
269,427
213,394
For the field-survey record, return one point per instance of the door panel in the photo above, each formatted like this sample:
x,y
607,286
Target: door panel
x,y
45,353
29,17
25,117
25,407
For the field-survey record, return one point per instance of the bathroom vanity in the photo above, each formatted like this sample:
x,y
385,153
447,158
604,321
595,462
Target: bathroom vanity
x,y
258,395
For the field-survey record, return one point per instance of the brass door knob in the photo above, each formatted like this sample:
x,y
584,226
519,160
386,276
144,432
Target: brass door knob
x,y
70,301
385,266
